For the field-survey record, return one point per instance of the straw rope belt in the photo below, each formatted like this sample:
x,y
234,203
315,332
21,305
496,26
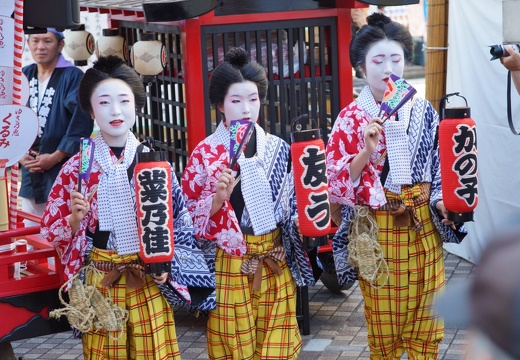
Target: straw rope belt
x,y
271,259
134,271
402,207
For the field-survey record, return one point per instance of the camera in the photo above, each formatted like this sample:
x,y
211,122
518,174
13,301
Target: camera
x,y
498,51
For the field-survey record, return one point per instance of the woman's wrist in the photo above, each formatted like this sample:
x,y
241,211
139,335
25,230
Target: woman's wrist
x,y
216,205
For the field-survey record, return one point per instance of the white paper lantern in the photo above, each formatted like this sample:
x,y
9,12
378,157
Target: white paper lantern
x,y
79,45
111,43
148,56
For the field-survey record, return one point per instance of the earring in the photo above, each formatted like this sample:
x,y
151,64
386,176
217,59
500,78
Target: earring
x,y
224,120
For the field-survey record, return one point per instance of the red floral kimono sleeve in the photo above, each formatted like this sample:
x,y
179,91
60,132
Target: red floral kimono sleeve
x,y
345,142
55,225
198,184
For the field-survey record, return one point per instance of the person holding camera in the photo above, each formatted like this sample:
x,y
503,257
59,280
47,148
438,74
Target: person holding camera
x,y
512,63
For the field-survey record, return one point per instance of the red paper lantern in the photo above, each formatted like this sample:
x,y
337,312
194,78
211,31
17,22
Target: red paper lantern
x,y
458,157
152,178
310,182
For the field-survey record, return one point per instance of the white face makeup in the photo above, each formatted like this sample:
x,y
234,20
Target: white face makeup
x,y
384,57
241,102
113,107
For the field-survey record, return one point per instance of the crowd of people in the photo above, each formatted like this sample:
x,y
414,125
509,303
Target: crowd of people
x,y
238,225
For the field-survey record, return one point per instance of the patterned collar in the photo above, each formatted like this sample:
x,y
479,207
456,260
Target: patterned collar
x,y
396,138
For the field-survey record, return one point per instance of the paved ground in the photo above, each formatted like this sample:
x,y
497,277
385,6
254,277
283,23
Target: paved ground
x,y
337,329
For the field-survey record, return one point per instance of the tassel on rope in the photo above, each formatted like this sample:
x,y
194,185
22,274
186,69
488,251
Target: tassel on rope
x,y
365,253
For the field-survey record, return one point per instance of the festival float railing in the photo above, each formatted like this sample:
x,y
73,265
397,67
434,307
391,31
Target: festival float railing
x,y
30,276
30,268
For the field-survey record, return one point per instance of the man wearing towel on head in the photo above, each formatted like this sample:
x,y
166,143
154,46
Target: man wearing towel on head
x,y
53,84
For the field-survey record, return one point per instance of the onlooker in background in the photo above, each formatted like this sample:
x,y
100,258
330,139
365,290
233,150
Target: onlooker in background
x,y
512,63
53,83
359,18
490,301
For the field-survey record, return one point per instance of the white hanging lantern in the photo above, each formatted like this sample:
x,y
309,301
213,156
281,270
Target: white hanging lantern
x,y
79,45
111,43
148,56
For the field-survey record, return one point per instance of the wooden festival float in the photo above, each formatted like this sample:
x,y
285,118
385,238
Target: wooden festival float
x,y
30,270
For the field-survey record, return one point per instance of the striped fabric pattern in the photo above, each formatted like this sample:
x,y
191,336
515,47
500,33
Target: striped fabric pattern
x,y
251,324
399,315
150,330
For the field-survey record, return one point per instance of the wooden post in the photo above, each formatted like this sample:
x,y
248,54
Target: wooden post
x,y
436,51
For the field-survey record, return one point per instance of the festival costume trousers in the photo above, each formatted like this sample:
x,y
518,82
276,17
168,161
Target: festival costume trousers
x,y
399,315
150,330
249,324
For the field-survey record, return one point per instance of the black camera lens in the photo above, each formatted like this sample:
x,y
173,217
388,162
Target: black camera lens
x,y
497,51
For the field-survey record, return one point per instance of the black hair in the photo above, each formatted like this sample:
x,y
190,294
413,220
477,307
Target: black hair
x,y
110,67
379,27
236,68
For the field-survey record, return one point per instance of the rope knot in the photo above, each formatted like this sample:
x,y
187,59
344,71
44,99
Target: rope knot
x,y
134,275
271,259
364,252
408,194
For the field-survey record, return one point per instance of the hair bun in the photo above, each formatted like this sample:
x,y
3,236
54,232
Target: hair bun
x,y
378,19
108,63
237,56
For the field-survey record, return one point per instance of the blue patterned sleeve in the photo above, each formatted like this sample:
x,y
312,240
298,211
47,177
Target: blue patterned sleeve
x,y
345,272
189,266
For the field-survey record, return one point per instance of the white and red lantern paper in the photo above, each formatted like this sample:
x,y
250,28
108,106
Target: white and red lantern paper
x,y
148,56
111,43
79,45
458,158
152,178
310,182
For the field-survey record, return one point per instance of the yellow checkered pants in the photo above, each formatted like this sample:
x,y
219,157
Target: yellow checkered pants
x,y
253,325
399,315
150,330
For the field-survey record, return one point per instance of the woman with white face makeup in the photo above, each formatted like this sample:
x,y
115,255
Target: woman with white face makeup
x,y
99,225
392,171
245,217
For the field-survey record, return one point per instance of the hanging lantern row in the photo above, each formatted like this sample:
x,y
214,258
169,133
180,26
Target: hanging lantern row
x,y
148,55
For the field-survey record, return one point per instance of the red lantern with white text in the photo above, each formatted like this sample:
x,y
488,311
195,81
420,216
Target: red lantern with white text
x,y
458,158
152,178
310,180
